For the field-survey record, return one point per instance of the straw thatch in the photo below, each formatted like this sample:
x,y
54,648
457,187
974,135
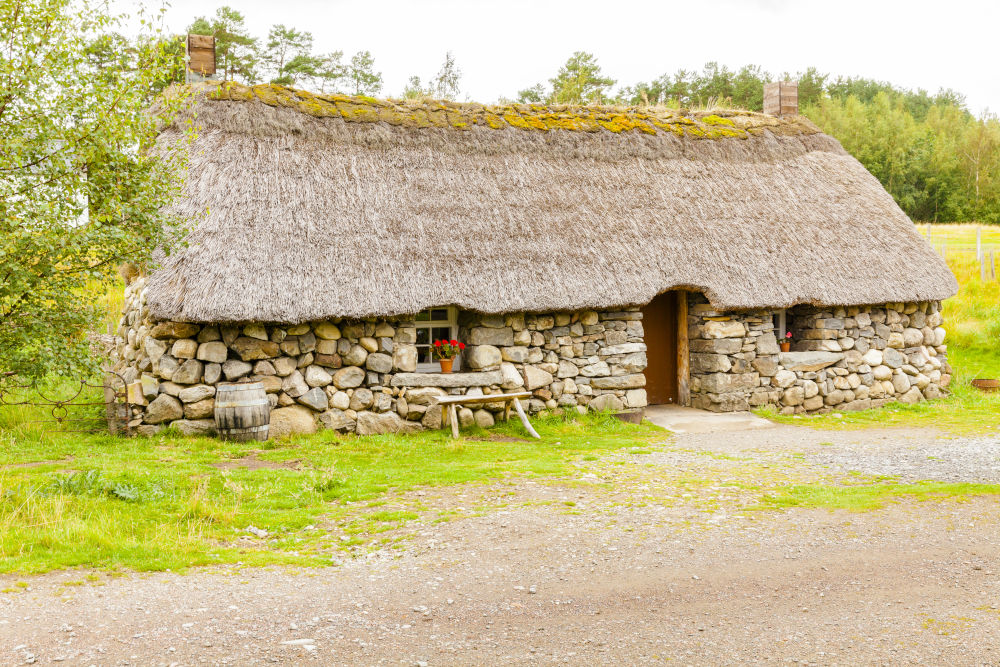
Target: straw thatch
x,y
330,206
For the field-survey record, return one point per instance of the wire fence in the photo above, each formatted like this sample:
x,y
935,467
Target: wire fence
x,y
970,242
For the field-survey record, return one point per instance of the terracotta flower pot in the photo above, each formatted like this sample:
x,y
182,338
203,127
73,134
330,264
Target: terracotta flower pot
x,y
785,347
446,365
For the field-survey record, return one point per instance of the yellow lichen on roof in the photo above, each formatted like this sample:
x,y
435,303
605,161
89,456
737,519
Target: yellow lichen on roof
x,y
714,124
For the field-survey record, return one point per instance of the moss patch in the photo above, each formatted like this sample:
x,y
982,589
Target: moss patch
x,y
716,124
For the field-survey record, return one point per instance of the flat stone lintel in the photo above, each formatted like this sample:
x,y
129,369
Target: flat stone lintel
x,y
481,379
808,361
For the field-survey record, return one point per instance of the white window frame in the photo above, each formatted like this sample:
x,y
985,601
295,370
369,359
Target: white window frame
x,y
452,324
780,324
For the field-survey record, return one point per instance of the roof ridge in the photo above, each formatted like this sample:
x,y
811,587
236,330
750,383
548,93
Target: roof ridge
x,y
707,124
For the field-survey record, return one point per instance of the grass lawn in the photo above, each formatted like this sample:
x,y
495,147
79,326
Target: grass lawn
x,y
170,502
972,319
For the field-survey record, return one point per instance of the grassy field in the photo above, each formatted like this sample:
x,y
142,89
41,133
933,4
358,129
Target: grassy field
x,y
171,502
972,319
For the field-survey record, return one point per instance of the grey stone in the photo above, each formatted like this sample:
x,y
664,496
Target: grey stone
x,y
295,385
379,362
150,386
483,356
362,399
154,348
716,346
510,377
291,420
209,334
498,337
809,361
164,408
195,427
355,356
348,376
203,409
166,366
766,366
624,348
254,349
195,393
284,366
188,373
606,402
514,354
721,383
634,363
725,329
633,381
901,382
255,331
793,396
424,396
535,378
234,369
600,369
784,378
213,352
337,420
911,396
767,344
567,369
478,379
173,330
315,398
404,358
483,418
317,376
710,363
370,423
636,398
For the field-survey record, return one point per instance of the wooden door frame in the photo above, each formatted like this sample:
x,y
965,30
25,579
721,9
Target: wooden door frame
x,y
683,354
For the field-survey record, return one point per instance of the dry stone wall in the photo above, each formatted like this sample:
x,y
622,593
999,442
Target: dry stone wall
x,y
360,376
842,359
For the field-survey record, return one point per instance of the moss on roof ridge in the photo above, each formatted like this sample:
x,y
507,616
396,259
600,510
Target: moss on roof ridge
x,y
712,124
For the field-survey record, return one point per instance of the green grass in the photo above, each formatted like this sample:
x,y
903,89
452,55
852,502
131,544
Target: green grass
x,y
972,320
157,503
868,497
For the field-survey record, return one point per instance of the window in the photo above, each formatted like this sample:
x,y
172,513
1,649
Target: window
x,y
435,324
780,319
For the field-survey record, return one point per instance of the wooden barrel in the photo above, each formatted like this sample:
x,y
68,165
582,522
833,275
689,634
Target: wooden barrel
x,y
242,411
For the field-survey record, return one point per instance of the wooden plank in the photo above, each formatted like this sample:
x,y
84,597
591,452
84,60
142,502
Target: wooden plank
x,y
201,42
454,420
486,398
683,353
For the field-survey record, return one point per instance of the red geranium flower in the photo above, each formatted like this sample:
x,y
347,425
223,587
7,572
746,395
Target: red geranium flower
x,y
461,346
454,342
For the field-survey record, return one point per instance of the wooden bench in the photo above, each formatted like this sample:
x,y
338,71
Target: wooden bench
x,y
450,414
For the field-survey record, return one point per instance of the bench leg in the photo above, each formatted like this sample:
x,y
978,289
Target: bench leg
x,y
506,410
452,413
524,420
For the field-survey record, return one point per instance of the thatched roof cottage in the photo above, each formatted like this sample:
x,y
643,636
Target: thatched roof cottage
x,y
600,258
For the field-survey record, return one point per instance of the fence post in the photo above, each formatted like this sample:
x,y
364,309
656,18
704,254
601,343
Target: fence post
x,y
979,243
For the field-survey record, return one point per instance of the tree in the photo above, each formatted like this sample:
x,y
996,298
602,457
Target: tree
x,y
361,75
579,81
415,90
288,54
536,94
445,83
235,50
327,71
81,190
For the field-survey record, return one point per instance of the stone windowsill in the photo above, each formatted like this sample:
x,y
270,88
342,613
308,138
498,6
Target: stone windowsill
x,y
808,361
480,379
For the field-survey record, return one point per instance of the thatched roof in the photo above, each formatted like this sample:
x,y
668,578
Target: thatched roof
x,y
332,206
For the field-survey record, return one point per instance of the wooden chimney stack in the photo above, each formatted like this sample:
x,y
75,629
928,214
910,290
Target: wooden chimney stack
x,y
200,57
781,98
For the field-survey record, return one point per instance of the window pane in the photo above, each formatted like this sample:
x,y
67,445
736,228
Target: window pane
x,y
439,314
441,333
423,335
423,316
424,355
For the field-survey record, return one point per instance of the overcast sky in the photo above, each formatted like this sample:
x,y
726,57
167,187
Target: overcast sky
x,y
503,46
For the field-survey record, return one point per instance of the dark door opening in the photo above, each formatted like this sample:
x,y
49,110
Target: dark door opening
x,y
659,324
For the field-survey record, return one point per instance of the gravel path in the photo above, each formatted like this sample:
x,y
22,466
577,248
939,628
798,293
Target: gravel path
x,y
639,558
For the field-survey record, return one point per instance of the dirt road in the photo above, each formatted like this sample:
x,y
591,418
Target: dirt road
x,y
641,558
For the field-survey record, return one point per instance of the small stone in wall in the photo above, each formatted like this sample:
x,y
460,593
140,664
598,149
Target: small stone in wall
x,y
361,399
404,358
213,351
173,330
164,408
605,402
202,409
184,348
235,369
188,373
315,398
195,393
255,331
284,366
327,331
294,385
253,349
535,377
317,376
349,376
355,356
379,362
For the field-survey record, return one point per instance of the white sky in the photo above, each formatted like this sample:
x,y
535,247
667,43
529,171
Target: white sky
x,y
503,46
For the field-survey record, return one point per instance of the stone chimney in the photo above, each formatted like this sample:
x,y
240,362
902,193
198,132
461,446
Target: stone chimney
x,y
781,98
